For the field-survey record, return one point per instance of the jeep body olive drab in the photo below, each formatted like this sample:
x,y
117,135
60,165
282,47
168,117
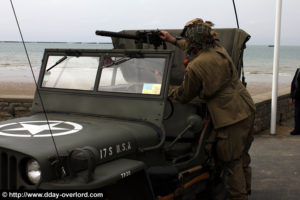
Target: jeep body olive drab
x,y
102,119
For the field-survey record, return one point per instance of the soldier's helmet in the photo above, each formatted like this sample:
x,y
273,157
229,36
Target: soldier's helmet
x,y
199,34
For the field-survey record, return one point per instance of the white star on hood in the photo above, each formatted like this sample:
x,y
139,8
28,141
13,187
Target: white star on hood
x,y
35,129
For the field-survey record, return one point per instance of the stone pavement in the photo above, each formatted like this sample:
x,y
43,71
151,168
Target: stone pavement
x,y
276,165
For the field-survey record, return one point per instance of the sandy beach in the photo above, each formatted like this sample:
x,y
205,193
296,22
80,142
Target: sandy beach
x,y
11,88
254,87
262,83
20,82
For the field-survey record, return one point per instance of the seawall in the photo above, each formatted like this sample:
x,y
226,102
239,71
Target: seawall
x,y
285,111
20,104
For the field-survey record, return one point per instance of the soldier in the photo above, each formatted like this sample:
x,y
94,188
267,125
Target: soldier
x,y
211,75
295,99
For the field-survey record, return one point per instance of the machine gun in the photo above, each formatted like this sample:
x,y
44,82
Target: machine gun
x,y
140,37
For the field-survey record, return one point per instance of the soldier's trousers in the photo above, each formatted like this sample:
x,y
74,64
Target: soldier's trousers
x,y
297,116
232,145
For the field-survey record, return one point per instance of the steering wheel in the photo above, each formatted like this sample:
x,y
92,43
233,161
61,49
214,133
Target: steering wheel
x,y
171,108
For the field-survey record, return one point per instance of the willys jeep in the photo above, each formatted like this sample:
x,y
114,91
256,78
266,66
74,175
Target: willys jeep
x,y
102,120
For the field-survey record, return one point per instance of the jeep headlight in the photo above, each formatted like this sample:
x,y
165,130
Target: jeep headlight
x,y
33,171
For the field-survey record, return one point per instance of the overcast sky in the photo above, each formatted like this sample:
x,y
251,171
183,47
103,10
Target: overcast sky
x,y
77,20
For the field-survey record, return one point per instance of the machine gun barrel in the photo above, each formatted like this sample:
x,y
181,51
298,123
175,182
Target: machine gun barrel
x,y
117,35
140,37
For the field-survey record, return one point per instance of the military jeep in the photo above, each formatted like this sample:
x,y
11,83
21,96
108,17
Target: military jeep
x,y
102,120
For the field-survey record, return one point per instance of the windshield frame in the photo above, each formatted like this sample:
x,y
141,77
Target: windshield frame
x,y
166,54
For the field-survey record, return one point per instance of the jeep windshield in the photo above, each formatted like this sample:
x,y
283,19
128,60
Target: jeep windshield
x,y
107,72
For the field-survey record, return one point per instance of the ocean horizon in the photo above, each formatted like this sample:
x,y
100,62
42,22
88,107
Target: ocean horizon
x,y
258,59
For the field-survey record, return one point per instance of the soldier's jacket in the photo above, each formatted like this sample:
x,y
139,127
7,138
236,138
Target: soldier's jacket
x,y
212,76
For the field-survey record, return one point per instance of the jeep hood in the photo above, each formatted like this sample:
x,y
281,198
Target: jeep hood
x,y
31,136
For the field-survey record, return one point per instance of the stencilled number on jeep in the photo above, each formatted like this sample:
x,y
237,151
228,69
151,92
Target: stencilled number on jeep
x,y
105,152
116,149
125,174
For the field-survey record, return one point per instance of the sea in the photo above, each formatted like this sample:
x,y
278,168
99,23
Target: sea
x,y
258,60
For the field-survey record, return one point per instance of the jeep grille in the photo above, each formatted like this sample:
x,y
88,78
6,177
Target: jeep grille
x,y
12,170
8,168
